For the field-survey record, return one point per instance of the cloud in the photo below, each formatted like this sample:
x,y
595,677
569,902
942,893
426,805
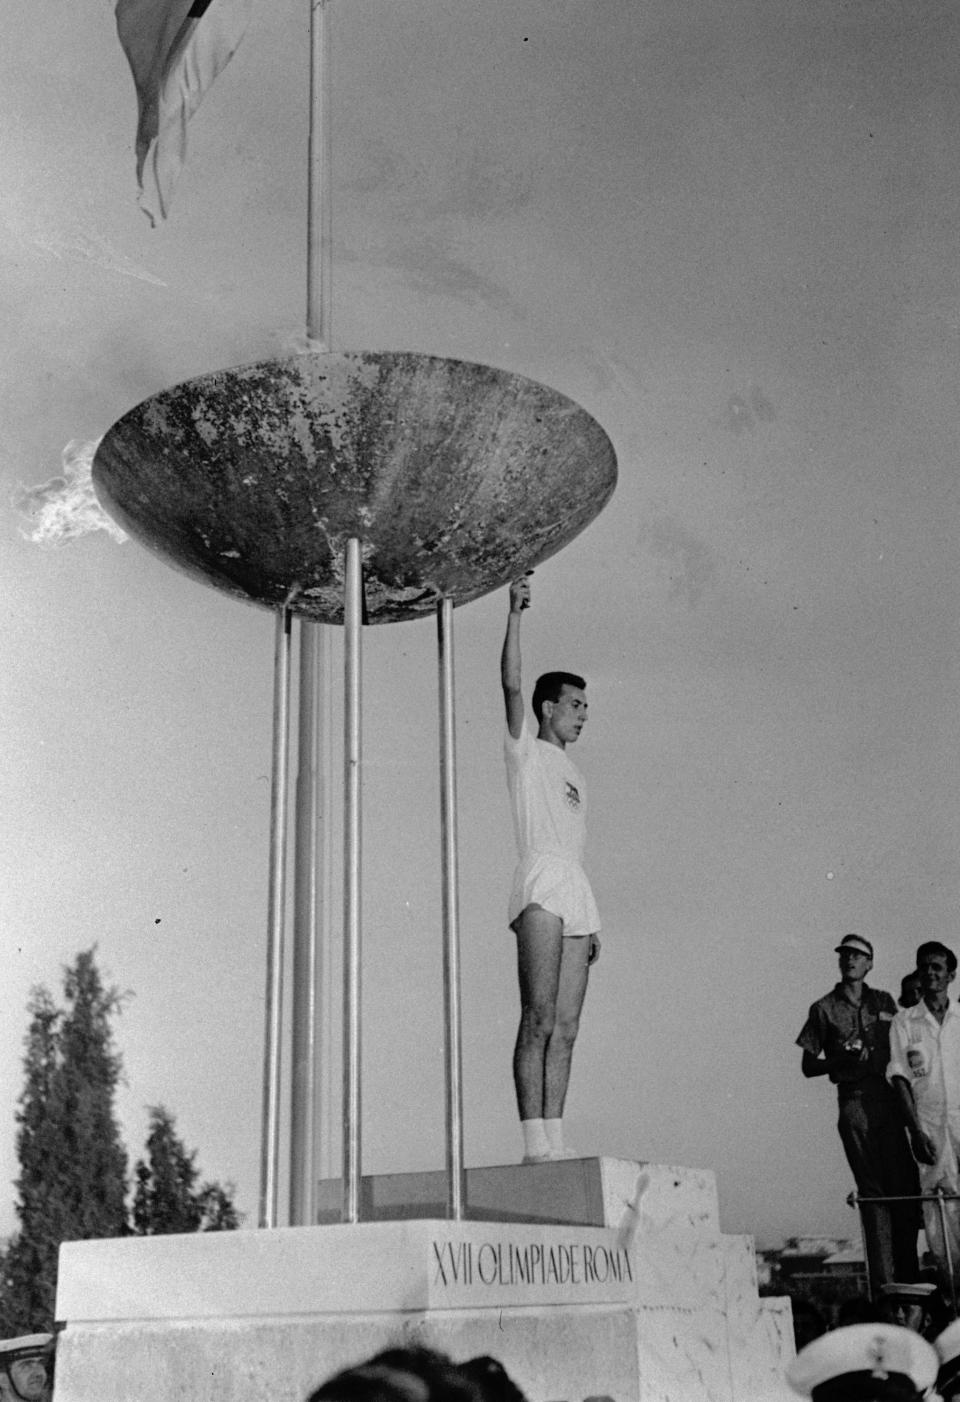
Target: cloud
x,y
427,267
688,560
464,181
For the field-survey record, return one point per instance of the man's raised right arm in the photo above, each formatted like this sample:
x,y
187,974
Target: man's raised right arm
x,y
510,657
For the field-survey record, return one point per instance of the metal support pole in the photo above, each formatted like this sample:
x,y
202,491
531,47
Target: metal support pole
x,y
352,614
306,911
270,1124
451,915
854,1200
951,1273
328,998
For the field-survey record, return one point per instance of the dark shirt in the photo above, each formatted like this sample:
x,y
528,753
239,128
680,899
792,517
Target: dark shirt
x,y
834,1020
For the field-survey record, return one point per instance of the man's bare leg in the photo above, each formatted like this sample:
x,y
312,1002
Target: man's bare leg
x,y
552,973
571,990
539,952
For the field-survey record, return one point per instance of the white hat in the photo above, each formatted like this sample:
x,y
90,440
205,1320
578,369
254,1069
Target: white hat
x,y
24,1346
947,1345
914,1291
864,1361
856,944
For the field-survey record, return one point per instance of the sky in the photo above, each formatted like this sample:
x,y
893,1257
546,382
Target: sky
x,y
728,229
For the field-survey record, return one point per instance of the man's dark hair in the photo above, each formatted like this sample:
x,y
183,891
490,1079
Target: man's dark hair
x,y
549,687
935,947
397,1374
492,1378
911,981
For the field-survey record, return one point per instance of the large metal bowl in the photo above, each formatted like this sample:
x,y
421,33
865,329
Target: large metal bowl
x,y
455,477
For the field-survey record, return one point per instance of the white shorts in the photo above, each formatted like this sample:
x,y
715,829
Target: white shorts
x,y
561,887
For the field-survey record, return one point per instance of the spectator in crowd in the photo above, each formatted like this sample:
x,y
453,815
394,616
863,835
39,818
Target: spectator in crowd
x,y
847,1037
925,1071
865,1363
25,1368
910,990
909,1304
420,1375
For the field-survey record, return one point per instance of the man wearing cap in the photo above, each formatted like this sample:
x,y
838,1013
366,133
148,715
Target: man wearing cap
x,y
865,1363
925,1071
25,1368
908,1303
847,1036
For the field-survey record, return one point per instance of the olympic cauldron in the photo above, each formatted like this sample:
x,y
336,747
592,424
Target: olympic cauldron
x,y
456,477
367,486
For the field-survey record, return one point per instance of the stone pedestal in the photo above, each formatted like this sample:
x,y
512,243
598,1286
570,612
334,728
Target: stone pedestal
x,y
630,1293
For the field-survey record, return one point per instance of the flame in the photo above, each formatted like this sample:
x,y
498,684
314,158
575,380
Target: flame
x,y
66,507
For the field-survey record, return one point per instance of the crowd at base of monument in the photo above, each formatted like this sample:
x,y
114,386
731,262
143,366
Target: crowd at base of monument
x,y
897,1073
859,1363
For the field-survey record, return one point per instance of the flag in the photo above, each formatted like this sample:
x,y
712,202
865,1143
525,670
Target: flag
x,y
175,48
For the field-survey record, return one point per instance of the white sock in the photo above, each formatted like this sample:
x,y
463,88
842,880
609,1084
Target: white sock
x,y
535,1144
553,1129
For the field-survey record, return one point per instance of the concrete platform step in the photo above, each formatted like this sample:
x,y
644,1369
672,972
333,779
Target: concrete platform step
x,y
598,1192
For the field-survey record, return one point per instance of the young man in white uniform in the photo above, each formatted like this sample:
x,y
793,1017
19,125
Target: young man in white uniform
x,y
925,1072
551,909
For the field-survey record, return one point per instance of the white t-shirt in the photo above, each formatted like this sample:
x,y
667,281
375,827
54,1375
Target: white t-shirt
x,y
926,1053
547,797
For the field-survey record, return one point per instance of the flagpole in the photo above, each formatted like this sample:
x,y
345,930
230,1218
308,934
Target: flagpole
x,y
311,914
319,165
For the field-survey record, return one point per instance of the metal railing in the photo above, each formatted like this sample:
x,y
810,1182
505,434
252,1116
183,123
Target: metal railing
x,y
941,1198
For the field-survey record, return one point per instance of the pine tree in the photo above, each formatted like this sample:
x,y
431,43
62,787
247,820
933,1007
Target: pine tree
x,y
72,1164
167,1198
25,1300
94,1160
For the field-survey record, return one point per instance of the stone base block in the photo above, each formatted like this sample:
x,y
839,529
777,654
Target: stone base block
x,y
561,1356
651,1304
